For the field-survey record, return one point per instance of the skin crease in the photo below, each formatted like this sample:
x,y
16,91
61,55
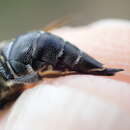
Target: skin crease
x,y
78,102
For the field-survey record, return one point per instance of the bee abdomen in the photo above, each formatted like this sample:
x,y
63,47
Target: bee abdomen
x,y
70,55
53,50
49,48
77,60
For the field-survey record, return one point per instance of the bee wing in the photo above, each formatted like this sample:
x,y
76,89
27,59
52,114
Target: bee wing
x,y
56,23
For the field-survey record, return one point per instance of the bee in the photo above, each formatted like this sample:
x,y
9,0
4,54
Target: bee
x,y
29,57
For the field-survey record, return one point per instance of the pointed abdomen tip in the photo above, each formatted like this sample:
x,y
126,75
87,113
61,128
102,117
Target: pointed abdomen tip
x,y
112,71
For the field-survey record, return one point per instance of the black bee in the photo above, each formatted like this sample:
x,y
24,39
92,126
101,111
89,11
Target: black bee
x,y
24,57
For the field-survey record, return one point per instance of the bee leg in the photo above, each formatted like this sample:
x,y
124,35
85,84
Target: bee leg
x,y
55,73
50,72
29,78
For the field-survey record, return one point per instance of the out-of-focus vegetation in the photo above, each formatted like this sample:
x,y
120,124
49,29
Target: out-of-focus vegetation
x,y
18,16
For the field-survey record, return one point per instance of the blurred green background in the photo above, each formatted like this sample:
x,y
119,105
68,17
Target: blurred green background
x,y
18,16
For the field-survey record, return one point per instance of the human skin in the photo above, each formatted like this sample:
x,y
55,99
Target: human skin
x,y
78,102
